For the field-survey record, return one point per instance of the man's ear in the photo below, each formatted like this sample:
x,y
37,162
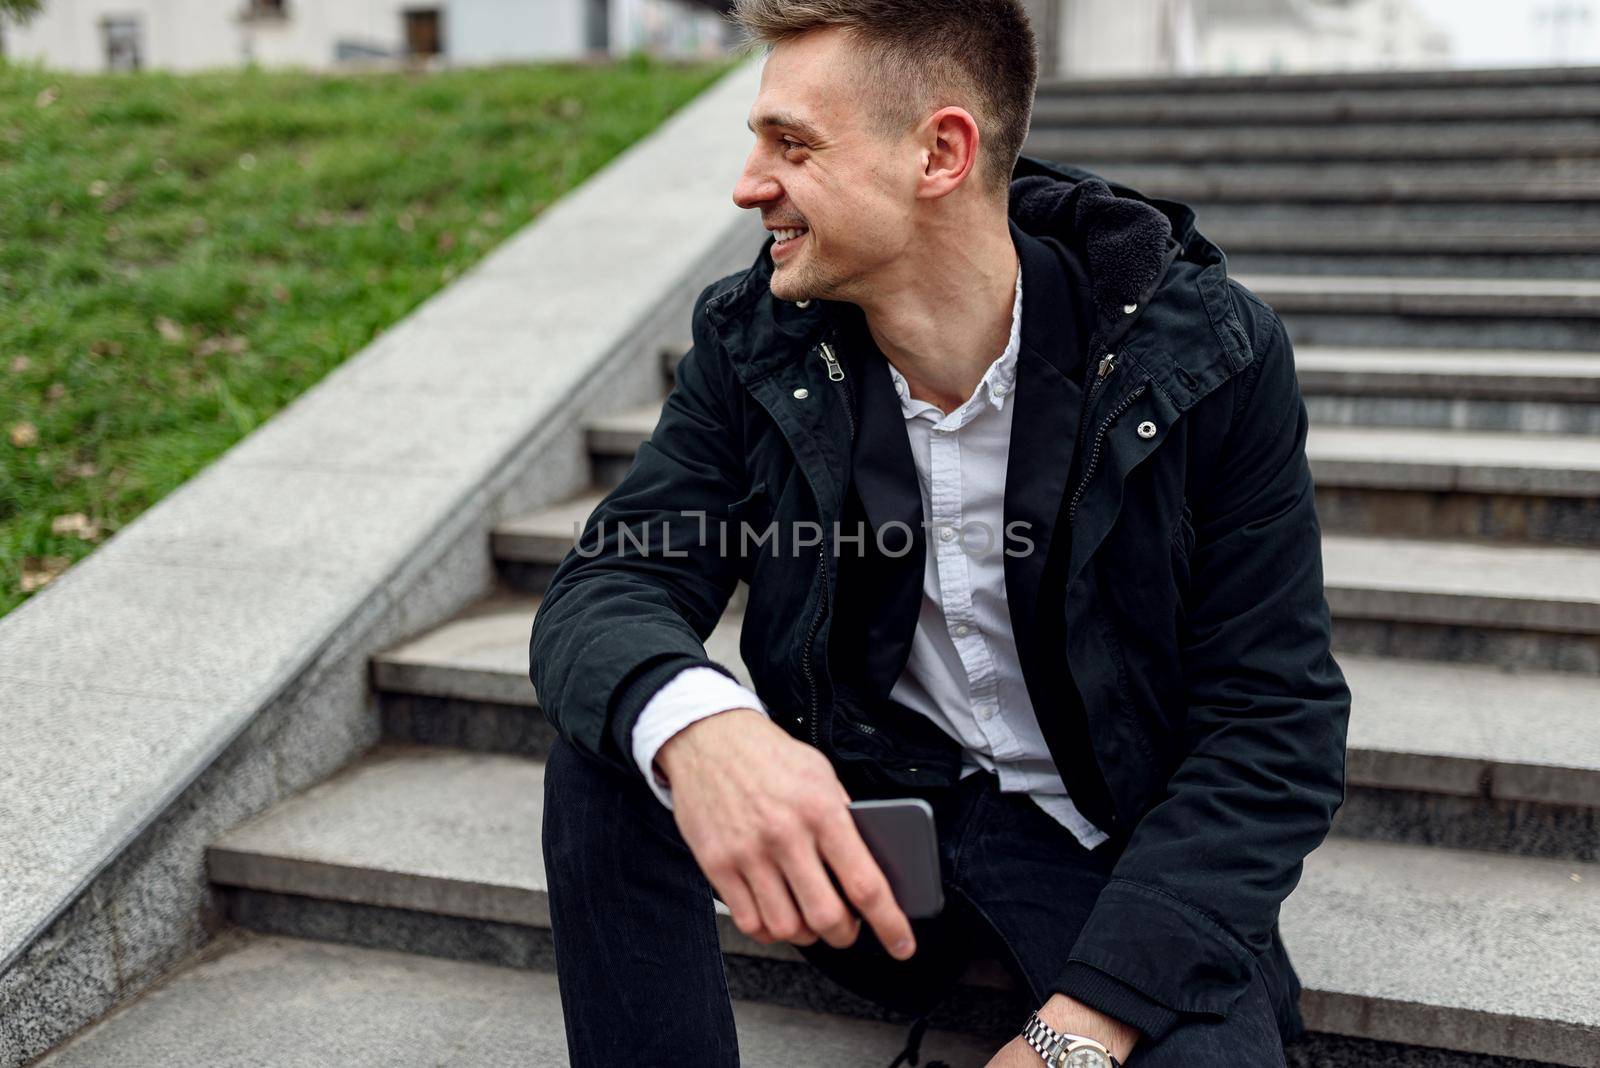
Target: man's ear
x,y
950,151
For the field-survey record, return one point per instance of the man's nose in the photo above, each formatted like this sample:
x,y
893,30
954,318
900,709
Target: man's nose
x,y
755,187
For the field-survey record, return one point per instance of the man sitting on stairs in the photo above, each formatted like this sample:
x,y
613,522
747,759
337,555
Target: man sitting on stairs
x,y
1070,594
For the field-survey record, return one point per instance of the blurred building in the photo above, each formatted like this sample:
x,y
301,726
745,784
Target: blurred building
x,y
1108,38
1077,38
181,35
1251,36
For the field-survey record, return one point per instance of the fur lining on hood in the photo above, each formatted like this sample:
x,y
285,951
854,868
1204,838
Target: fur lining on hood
x,y
1124,240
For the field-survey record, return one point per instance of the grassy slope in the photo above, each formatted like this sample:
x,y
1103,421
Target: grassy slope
x,y
180,256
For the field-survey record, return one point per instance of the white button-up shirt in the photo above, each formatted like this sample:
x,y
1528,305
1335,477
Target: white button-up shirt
x,y
963,671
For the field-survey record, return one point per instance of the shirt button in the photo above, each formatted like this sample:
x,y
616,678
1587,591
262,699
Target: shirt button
x,y
985,711
1000,391
962,630
946,533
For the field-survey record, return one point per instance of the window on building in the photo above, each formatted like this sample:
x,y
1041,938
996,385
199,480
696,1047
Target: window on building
x,y
266,9
597,25
124,42
423,37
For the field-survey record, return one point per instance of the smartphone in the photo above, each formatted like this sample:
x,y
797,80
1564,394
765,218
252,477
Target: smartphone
x,y
901,836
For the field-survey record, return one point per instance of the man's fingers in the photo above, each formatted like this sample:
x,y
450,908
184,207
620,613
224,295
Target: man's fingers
x,y
735,893
778,912
823,910
864,882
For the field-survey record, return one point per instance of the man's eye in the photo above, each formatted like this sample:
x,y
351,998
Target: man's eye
x,y
788,144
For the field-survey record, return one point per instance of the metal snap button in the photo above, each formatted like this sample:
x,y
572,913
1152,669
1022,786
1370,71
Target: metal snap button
x,y
803,303
1147,430
802,393
1129,309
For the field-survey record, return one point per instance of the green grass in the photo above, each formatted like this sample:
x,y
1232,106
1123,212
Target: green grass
x,y
180,256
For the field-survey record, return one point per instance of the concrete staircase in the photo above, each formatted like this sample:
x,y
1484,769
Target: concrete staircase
x,y
1433,242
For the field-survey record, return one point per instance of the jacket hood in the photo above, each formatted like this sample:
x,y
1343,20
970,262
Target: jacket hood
x,y
1128,242
1123,236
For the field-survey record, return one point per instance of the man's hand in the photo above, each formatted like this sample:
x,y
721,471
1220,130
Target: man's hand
x,y
1067,1014
762,813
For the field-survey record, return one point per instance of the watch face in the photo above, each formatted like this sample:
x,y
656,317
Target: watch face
x,y
1085,1057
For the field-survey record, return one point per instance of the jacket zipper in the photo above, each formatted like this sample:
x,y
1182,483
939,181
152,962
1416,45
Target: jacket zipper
x,y
1099,440
835,374
805,656
1108,363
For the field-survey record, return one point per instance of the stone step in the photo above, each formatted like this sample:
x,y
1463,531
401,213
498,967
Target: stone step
x,y
1510,390
1478,297
1479,470
249,999
1210,181
1538,488
1378,457
1466,84
1314,183
1466,374
482,654
1238,234
1555,139
1459,265
437,851
1457,754
1436,107
1498,313
528,547
1510,606
1306,218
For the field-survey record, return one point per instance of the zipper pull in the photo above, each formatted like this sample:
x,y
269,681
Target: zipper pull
x,y
1107,362
835,371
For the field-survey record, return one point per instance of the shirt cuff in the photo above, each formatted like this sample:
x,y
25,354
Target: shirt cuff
x,y
1100,991
691,695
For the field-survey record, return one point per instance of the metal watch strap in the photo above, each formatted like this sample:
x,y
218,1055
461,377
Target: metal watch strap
x,y
1042,1037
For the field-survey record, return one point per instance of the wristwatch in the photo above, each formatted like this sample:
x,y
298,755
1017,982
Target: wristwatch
x,y
1062,1050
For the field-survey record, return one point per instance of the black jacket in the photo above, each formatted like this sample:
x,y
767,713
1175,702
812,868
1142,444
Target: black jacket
x,y
1170,615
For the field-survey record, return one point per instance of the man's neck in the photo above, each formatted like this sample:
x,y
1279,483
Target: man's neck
x,y
949,317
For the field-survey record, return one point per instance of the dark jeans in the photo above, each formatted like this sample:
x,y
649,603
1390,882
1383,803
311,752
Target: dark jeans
x,y
639,962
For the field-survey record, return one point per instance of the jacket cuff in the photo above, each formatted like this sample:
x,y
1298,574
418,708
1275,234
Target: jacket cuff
x,y
1117,999
1164,948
